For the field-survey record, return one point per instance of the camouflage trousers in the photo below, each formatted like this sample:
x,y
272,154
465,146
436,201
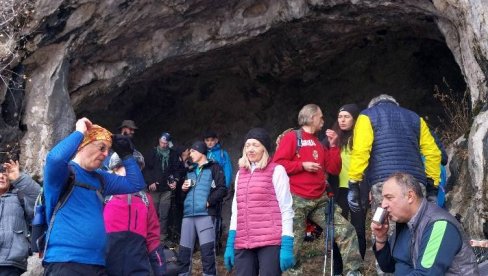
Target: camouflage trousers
x,y
345,235
376,199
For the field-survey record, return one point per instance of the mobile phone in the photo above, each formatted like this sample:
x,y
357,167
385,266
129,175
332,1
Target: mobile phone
x,y
379,216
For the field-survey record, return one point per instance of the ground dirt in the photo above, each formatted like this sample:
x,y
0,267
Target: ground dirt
x,y
314,258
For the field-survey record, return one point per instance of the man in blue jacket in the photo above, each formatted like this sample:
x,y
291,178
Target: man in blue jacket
x,y
76,238
427,241
218,154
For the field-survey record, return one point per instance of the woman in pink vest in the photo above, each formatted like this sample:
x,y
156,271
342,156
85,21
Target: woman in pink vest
x,y
260,240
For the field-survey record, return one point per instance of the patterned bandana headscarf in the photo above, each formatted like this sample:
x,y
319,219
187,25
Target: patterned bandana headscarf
x,y
96,133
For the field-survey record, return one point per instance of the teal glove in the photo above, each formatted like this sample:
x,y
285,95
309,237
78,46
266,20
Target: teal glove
x,y
229,250
287,260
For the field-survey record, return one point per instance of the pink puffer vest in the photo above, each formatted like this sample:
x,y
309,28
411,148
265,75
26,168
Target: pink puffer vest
x,y
258,212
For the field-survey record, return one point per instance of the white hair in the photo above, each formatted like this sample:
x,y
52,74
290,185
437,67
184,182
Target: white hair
x,y
382,97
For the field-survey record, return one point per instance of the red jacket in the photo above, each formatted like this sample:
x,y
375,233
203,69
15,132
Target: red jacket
x,y
310,185
136,217
132,226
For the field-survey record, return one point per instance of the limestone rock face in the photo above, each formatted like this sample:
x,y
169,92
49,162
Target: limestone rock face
x,y
463,24
467,187
48,113
184,66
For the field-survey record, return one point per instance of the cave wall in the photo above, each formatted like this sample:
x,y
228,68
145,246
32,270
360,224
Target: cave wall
x,y
84,56
464,26
230,100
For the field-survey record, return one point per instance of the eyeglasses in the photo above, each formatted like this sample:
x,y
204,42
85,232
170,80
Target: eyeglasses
x,y
102,147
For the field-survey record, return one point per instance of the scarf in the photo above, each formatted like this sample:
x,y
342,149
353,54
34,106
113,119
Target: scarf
x,y
96,133
163,155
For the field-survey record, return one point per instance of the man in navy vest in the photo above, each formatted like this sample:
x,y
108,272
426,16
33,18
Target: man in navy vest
x,y
428,240
389,139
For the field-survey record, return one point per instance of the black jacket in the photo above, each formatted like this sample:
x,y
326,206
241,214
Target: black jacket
x,y
153,171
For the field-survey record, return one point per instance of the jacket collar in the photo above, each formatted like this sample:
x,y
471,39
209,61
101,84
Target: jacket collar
x,y
216,147
414,221
385,101
208,164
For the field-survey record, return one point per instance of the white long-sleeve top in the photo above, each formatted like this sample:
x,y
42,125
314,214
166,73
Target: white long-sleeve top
x,y
281,184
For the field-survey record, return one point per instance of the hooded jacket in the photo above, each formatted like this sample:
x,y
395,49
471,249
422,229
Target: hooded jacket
x,y
221,157
16,211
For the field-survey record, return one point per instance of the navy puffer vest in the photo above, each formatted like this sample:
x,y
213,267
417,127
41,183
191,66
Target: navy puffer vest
x,y
396,143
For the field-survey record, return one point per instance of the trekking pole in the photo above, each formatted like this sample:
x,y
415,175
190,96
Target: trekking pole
x,y
326,241
331,219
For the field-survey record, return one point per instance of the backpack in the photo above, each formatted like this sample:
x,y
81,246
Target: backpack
x,y
40,227
298,134
140,194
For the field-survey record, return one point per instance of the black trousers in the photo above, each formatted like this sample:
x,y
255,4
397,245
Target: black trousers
x,y
74,269
258,261
10,271
358,220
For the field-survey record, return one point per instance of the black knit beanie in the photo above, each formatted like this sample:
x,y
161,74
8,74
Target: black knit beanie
x,y
353,109
200,147
262,136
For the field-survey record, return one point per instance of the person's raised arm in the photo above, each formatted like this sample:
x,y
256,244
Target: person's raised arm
x,y
56,170
27,188
381,246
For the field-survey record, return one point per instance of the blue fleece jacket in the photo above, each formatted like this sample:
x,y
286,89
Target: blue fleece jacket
x,y
220,156
78,232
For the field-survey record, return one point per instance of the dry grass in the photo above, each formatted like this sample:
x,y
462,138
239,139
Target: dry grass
x,y
14,15
458,114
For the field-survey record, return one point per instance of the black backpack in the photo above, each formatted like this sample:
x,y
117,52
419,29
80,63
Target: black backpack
x,y
40,226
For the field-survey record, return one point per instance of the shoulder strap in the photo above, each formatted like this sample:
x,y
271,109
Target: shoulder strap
x,y
298,133
143,196
108,198
62,199
67,190
99,191
102,183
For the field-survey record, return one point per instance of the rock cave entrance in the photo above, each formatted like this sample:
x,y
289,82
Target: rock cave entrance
x,y
265,80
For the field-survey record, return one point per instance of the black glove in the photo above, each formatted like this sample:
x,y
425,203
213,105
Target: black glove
x,y
122,145
157,260
431,191
353,197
